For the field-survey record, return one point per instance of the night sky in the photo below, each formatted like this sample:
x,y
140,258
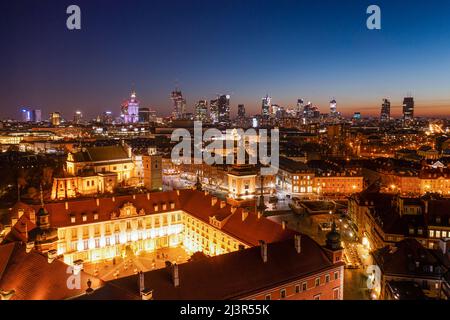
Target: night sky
x,y
316,50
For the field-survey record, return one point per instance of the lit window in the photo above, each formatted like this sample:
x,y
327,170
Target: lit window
x,y
438,234
72,219
95,216
84,217
431,233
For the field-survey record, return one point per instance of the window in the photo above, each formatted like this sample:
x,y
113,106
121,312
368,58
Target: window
x,y
317,297
304,286
283,293
72,219
267,297
438,234
327,278
84,217
317,282
297,288
444,234
336,275
431,233
95,216
336,294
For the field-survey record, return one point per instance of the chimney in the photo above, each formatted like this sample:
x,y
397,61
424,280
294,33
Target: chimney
x,y
51,255
263,246
175,277
113,199
213,201
178,192
29,246
283,224
66,205
259,214
298,243
148,196
97,201
147,294
244,214
222,204
141,282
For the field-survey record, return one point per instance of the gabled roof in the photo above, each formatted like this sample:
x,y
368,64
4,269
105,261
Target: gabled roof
x,y
104,153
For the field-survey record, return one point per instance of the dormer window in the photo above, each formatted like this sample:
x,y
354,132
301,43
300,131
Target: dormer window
x,y
84,217
95,216
72,219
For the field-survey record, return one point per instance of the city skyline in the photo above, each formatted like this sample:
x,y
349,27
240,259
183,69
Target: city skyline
x,y
286,49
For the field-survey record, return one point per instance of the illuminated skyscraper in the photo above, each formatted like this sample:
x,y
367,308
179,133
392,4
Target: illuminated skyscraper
x,y
201,110
29,115
300,107
333,107
130,109
224,109
55,118
214,111
179,105
408,108
385,115
265,107
77,117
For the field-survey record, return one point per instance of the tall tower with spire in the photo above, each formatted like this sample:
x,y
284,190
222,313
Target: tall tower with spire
x,y
130,109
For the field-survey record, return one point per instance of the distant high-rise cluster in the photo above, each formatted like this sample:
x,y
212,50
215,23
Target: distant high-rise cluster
x,y
55,118
179,105
130,109
77,117
385,115
29,115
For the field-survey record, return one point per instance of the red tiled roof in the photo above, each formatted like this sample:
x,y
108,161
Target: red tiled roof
x,y
234,275
195,203
33,278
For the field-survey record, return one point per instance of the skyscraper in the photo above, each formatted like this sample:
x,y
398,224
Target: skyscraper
x,y
385,115
408,108
224,109
29,115
77,117
300,107
55,118
241,111
201,110
130,109
214,111
144,115
265,107
333,107
179,105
